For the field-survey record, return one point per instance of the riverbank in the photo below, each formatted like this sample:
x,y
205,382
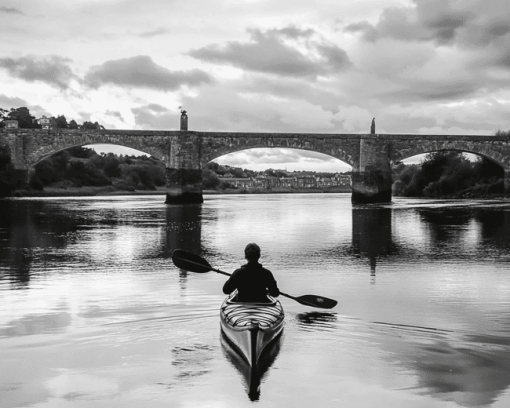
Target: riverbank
x,y
112,191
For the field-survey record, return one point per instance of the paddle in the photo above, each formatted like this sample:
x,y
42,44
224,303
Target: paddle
x,y
194,263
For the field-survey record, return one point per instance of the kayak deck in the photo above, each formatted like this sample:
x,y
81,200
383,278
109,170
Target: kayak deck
x,y
251,327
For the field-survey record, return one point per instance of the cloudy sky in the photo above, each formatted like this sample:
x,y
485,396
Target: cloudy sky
x,y
417,66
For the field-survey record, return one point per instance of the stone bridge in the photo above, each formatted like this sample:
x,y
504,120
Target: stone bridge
x,y
186,152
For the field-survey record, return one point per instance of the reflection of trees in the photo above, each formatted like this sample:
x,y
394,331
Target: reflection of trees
x,y
28,229
495,228
445,224
448,227
372,233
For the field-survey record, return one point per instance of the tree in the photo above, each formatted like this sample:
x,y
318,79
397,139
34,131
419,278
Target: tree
x,y
3,115
61,122
7,176
46,172
24,118
82,152
448,173
73,124
210,179
91,126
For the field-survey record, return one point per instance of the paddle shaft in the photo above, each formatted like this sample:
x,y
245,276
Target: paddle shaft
x,y
195,263
229,274
211,268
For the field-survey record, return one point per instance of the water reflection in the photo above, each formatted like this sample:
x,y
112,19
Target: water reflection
x,y
473,371
192,361
183,231
183,228
495,230
28,232
252,376
435,330
36,324
372,234
315,320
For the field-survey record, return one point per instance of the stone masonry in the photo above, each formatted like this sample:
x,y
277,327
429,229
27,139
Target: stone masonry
x,y
186,152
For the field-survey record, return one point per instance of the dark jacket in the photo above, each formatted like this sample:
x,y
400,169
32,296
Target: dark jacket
x,y
253,283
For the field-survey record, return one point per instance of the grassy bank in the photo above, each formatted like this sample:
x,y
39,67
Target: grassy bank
x,y
110,190
84,192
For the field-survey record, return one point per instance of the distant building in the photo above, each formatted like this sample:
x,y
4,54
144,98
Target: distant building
x,y
11,124
343,179
267,182
305,181
238,182
47,123
286,181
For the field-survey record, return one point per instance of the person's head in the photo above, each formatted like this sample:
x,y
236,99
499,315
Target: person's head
x,y
252,252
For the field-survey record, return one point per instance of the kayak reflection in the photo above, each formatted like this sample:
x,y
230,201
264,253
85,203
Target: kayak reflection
x,y
252,376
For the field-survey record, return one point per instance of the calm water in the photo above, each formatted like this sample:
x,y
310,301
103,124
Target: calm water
x,y
94,314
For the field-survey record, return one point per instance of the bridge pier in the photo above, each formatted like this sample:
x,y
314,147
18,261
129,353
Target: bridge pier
x,y
183,172
183,186
372,179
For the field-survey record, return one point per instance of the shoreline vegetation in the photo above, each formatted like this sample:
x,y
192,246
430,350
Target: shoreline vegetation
x,y
102,191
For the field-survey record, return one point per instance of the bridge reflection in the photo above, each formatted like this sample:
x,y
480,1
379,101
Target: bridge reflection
x,y
372,234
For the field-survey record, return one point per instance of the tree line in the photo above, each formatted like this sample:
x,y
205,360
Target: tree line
x,y
84,167
28,121
448,174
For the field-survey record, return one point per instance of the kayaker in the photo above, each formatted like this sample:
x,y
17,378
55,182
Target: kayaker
x,y
252,281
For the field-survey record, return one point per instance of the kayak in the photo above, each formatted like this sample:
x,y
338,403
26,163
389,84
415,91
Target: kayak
x,y
251,327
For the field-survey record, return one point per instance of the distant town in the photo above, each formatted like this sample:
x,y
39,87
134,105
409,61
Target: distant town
x,y
299,180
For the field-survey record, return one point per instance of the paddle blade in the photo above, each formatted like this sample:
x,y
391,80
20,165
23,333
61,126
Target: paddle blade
x,y
190,262
317,301
314,301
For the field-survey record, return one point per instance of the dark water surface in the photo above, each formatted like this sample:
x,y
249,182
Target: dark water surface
x,y
94,314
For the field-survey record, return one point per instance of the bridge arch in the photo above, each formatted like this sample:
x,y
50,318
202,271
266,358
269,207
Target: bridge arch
x,y
41,151
50,153
480,149
212,149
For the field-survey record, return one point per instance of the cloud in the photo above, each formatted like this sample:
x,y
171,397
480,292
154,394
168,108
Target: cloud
x,y
443,22
115,114
10,10
153,33
289,51
426,20
52,70
156,116
292,88
7,102
142,72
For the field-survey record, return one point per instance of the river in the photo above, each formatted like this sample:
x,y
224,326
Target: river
x,y
93,313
